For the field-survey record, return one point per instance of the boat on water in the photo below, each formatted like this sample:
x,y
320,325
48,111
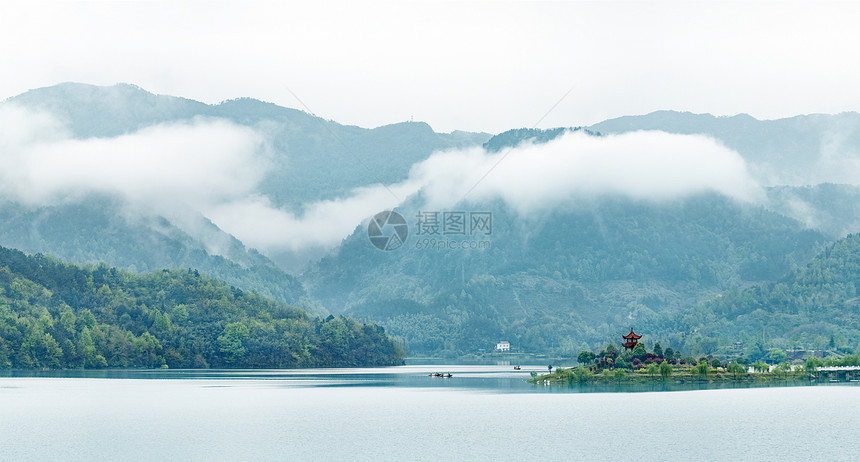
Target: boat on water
x,y
439,374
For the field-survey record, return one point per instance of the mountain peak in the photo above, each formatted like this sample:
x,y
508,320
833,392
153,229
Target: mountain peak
x,y
107,111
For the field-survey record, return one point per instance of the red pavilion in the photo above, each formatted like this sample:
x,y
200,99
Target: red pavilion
x,y
631,340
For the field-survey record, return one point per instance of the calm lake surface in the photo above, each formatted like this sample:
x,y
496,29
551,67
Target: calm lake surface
x,y
481,413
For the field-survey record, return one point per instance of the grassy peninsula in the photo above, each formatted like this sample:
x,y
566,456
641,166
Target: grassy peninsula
x,y
637,365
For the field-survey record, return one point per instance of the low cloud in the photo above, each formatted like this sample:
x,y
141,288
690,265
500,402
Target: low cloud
x,y
214,168
531,178
178,171
646,165
260,224
198,163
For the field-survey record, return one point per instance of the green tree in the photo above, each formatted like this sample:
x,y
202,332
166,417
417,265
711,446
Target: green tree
x,y
87,349
43,349
658,350
582,374
703,369
231,342
776,355
669,353
611,350
784,368
736,369
653,369
811,365
585,357
639,351
665,370
851,360
761,366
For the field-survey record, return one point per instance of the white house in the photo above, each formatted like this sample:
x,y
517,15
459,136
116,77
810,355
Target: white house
x,y
503,346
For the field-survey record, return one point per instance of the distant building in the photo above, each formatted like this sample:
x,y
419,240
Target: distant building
x,y
503,346
631,340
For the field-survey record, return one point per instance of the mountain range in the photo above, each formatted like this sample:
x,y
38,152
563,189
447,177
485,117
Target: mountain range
x,y
571,276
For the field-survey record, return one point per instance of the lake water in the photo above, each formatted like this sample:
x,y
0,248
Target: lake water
x,y
481,413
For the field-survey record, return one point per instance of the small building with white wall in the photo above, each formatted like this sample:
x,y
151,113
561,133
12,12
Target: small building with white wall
x,y
503,346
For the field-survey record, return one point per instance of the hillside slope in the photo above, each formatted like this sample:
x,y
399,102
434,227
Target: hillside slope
x,y
54,314
577,275
814,307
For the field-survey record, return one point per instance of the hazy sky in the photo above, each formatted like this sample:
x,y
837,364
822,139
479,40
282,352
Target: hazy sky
x,y
457,65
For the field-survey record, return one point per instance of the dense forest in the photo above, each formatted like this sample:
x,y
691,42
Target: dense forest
x,y
59,315
566,281
101,229
814,307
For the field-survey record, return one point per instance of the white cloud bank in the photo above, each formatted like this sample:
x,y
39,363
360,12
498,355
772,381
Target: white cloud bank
x,y
641,165
531,178
214,167
199,163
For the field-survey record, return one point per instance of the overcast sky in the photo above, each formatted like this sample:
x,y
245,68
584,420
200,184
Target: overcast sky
x,y
481,66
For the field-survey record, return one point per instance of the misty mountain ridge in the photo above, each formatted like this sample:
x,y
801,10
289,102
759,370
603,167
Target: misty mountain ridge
x,y
104,230
797,151
277,160
597,226
315,159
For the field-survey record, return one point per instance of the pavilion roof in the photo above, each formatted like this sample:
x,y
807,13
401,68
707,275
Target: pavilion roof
x,y
632,336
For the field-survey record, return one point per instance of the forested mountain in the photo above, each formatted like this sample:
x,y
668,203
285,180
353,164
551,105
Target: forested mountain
x,y
797,151
814,307
511,138
100,231
777,147
310,159
559,279
833,209
54,314
554,282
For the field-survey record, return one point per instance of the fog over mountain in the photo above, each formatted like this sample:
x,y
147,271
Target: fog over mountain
x,y
270,175
243,163
797,151
618,221
234,164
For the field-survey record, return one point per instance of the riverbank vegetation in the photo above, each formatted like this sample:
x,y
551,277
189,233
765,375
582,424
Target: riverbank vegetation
x,y
639,365
59,315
